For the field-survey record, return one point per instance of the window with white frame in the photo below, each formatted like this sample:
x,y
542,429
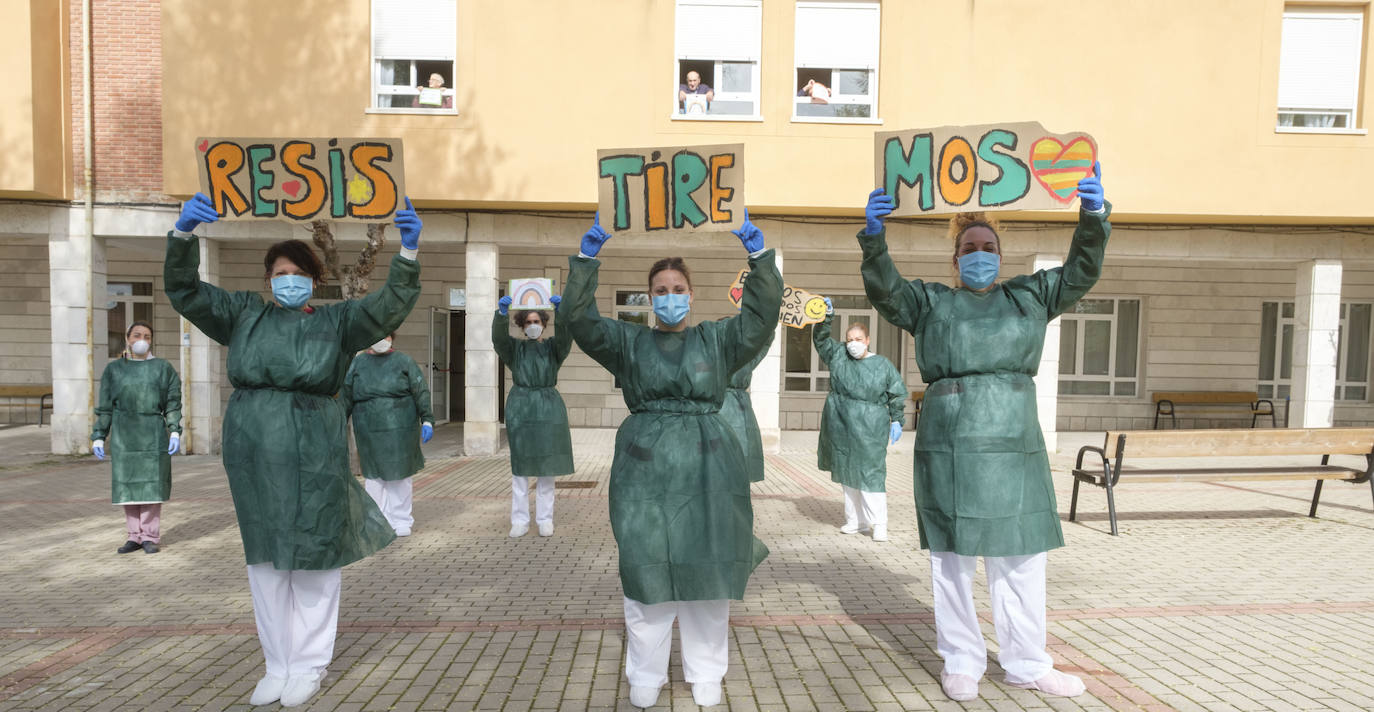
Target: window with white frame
x,y
414,45
718,51
128,302
1319,68
804,371
1352,350
836,60
1099,348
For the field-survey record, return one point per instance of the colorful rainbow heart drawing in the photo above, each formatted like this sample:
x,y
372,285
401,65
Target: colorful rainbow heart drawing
x,y
1059,167
736,294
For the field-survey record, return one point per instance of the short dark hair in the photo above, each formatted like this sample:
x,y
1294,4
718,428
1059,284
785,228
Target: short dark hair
x,y
300,253
667,263
524,316
129,332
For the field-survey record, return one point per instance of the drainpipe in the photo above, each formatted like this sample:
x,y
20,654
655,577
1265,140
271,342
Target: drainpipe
x,y
88,178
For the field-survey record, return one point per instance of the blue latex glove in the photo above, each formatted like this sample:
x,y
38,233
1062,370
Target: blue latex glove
x,y
409,224
1090,194
879,205
829,306
895,432
426,432
503,306
750,235
594,238
195,211
98,449
555,300
173,443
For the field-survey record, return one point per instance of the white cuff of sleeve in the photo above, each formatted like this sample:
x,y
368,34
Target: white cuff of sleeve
x,y
752,255
1099,211
409,253
181,234
98,443
584,256
427,423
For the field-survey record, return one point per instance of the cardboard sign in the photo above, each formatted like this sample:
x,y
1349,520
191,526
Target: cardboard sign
x,y
673,189
533,293
799,307
340,179
954,169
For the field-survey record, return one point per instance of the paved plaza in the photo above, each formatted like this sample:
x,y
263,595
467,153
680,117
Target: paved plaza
x,y
1214,597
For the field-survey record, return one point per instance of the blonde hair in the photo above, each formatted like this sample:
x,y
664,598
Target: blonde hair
x,y
961,223
858,326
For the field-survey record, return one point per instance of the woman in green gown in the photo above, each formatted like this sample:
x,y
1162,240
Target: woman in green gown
x,y
982,476
301,513
680,510
536,419
862,416
386,395
140,413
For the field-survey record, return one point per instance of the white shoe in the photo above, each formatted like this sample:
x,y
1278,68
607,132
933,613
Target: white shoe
x,y
518,530
299,689
1054,683
706,694
403,532
642,697
546,529
880,533
961,688
268,690
851,528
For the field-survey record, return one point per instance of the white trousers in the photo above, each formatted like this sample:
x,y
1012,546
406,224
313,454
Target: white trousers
x,y
705,629
297,613
520,500
1017,587
395,498
864,509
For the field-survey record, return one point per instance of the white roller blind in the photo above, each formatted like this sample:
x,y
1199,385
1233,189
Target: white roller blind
x,y
724,29
414,29
837,35
1319,60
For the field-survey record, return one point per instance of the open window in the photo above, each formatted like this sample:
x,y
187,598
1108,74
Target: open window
x,y
836,61
1319,69
414,45
717,51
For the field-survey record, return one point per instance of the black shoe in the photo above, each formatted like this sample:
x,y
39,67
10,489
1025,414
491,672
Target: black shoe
x,y
149,547
129,546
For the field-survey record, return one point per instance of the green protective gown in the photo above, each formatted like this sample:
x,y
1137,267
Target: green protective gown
x,y
982,475
680,510
388,398
285,449
536,419
866,397
738,412
140,403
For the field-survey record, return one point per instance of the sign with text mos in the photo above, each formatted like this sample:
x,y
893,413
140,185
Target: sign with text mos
x,y
672,189
339,179
954,169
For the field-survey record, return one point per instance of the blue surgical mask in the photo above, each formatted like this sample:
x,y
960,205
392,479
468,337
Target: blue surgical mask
x,y
978,269
671,308
292,290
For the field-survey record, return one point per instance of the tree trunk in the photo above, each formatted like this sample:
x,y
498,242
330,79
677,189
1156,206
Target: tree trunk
x,y
354,280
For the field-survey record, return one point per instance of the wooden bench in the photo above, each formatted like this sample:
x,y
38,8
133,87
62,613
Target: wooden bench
x,y
1109,469
916,398
1167,401
42,392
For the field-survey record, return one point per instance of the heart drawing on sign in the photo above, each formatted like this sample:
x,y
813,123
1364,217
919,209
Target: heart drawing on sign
x,y
1059,167
292,187
204,144
736,293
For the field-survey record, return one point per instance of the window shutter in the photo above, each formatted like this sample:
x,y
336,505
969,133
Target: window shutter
x,y
414,29
837,35
1319,60
719,29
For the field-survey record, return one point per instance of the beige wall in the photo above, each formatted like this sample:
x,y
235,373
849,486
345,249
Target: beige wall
x,y
1169,88
33,106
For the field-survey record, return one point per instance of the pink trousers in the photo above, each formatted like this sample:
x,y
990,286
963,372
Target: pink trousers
x,y
144,522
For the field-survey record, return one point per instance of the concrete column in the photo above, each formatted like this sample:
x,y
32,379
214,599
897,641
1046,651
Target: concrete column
x,y
764,389
202,411
1047,378
1316,334
481,432
77,299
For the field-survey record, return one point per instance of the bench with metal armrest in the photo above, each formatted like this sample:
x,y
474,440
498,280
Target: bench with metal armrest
x,y
1213,402
43,392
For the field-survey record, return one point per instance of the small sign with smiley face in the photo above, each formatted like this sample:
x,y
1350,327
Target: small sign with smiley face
x,y
799,307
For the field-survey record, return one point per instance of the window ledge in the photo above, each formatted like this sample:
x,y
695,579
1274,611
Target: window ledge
x,y
721,117
416,112
1311,130
835,120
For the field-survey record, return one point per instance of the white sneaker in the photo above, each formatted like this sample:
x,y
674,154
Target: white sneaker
x,y
851,528
517,530
642,697
546,529
403,532
268,690
1054,683
880,533
961,688
299,689
706,694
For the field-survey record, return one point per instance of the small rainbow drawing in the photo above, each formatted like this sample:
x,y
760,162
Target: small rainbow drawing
x,y
1059,167
531,293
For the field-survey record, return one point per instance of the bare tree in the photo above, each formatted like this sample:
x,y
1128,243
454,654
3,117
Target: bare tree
x,y
354,279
